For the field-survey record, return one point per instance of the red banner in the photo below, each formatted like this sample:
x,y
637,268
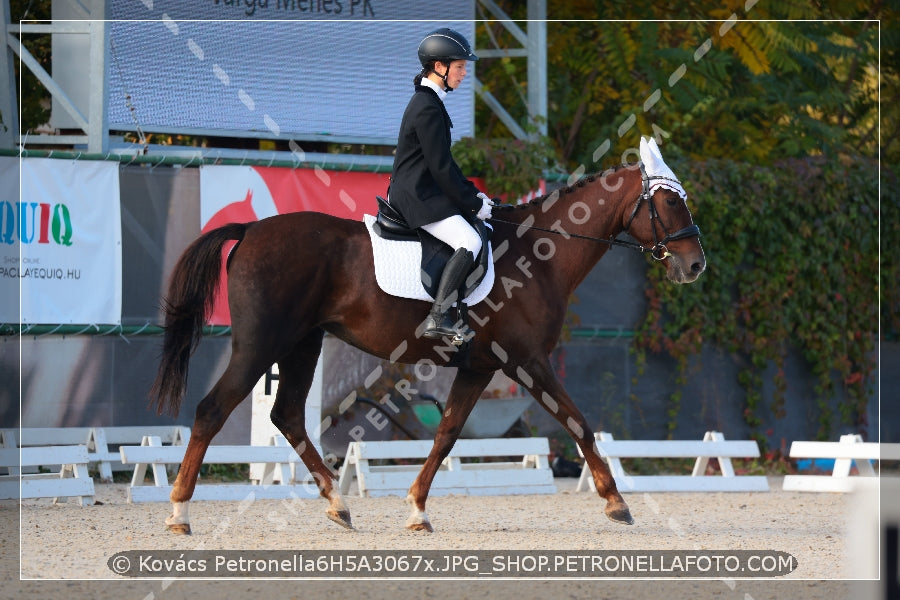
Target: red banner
x,y
242,194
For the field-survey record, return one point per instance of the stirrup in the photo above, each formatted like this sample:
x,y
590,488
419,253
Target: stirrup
x,y
461,338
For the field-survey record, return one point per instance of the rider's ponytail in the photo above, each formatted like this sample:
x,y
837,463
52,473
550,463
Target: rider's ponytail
x,y
429,67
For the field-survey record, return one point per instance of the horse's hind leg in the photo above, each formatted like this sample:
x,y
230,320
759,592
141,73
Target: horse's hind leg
x,y
550,394
295,375
464,393
238,380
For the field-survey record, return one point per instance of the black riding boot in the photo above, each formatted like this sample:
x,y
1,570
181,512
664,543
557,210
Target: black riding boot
x,y
439,323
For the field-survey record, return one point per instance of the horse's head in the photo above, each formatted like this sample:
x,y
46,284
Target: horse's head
x,y
661,220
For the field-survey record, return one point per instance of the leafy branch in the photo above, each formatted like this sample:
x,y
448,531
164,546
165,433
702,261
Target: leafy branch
x,y
511,168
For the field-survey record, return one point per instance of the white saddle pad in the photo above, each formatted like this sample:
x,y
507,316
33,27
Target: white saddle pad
x,y
398,265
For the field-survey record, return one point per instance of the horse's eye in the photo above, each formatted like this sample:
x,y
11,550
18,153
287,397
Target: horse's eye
x,y
671,200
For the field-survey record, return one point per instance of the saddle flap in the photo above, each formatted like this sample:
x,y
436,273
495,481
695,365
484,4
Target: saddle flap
x,y
436,253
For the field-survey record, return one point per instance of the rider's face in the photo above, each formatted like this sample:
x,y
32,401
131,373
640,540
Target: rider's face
x,y
456,74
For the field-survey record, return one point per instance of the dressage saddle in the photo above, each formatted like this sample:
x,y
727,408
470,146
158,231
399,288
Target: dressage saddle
x,y
390,225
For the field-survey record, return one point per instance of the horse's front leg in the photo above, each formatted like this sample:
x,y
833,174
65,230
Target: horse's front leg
x,y
464,392
550,394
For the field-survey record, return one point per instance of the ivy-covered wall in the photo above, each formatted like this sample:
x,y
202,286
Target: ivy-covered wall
x,y
793,270
778,339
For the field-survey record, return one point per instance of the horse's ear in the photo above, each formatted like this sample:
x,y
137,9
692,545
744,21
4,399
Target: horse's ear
x,y
650,153
645,151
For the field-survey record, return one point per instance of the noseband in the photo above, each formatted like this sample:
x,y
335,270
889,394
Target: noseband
x,y
658,250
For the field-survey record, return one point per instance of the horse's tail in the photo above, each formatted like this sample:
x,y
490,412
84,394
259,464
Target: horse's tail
x,y
192,292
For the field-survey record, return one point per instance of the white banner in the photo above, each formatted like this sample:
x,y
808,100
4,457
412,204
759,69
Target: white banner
x,y
61,242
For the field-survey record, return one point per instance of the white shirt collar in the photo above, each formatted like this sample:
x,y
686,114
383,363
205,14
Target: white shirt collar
x,y
429,83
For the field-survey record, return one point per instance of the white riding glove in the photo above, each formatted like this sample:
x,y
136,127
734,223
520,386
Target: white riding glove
x,y
485,211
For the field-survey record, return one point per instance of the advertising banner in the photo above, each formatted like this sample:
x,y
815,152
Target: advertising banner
x,y
241,194
305,70
60,241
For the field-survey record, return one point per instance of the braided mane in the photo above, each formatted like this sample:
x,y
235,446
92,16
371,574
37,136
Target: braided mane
x,y
561,191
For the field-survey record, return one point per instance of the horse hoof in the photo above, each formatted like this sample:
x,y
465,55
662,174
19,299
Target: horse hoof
x,y
426,526
179,528
620,514
341,517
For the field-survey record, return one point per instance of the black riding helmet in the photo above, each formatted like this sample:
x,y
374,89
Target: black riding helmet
x,y
444,45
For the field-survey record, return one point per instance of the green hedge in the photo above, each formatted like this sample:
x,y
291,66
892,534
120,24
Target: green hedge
x,y
792,265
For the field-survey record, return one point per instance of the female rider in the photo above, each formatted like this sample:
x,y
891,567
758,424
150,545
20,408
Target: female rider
x,y
427,186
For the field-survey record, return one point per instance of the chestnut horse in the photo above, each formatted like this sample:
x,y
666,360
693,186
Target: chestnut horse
x,y
293,277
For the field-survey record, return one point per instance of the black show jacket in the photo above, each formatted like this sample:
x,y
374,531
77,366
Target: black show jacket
x,y
426,183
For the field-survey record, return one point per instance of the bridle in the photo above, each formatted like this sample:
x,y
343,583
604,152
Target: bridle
x,y
658,250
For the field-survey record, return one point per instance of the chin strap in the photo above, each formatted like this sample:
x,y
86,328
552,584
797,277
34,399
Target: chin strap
x,y
443,77
424,73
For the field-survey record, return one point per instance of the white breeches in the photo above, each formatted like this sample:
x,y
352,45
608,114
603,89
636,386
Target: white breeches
x,y
456,232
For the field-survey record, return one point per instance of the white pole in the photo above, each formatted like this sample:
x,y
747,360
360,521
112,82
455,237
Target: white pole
x,y
98,115
261,427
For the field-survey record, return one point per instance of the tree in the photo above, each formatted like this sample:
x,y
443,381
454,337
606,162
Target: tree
x,y
720,86
34,102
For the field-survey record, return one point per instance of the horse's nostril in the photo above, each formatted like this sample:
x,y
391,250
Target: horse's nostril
x,y
696,268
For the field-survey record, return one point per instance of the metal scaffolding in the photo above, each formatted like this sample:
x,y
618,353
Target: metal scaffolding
x,y
91,22
534,49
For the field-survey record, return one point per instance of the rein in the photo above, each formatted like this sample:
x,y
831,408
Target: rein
x,y
658,250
